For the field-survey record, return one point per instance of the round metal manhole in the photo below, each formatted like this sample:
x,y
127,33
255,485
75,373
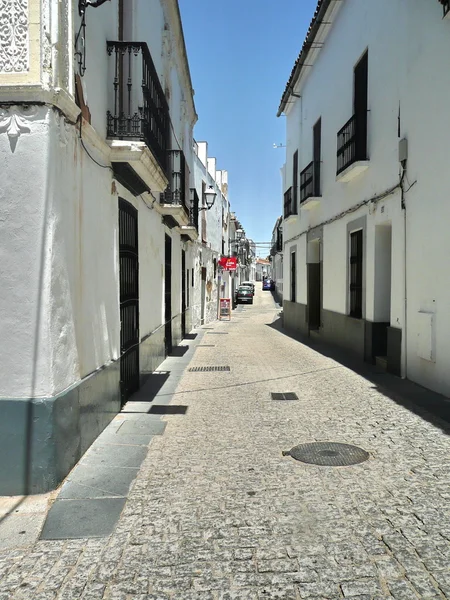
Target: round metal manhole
x,y
328,454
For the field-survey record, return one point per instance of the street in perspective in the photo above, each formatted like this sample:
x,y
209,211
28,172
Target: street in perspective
x,y
223,506
224,305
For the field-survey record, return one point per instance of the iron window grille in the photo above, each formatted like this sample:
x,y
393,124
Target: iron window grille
x,y
193,208
351,144
290,205
293,278
279,242
176,190
445,6
352,137
129,299
310,181
139,109
295,177
356,274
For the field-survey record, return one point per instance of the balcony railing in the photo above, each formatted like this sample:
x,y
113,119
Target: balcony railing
x,y
310,181
290,207
138,106
176,190
352,142
279,244
193,209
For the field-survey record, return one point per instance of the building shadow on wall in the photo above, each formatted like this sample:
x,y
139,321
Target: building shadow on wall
x,y
425,403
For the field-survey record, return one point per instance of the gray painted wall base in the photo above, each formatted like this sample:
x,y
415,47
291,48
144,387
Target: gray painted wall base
x,y
294,316
355,335
42,439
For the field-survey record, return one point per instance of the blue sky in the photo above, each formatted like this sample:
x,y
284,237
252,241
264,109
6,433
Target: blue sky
x,y
241,53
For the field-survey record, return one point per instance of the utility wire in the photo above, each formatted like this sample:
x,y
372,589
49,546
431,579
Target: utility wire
x,y
354,208
110,168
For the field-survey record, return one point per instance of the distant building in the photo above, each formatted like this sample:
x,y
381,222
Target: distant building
x,y
263,269
276,256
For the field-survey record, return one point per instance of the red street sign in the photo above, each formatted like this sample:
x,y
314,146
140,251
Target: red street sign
x,y
228,264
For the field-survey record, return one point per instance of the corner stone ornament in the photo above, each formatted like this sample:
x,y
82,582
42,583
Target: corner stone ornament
x,y
15,121
14,36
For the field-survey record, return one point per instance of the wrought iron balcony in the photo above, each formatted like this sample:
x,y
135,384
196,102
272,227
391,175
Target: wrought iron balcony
x,y
138,106
193,209
175,193
279,243
310,181
352,142
290,206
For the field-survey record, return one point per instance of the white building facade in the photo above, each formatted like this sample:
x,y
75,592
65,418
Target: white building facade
x,y
366,182
212,242
97,234
276,257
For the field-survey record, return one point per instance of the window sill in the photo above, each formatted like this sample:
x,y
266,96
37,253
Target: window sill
x,y
310,202
290,218
353,170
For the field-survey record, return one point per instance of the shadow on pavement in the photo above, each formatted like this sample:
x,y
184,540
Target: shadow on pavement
x,y
151,383
179,351
429,405
190,336
170,409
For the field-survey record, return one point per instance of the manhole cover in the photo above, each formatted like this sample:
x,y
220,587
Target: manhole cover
x,y
284,396
203,369
329,454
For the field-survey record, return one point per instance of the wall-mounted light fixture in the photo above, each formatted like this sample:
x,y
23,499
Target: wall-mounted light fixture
x,y
210,197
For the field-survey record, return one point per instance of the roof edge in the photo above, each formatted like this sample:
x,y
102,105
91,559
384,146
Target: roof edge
x,y
320,12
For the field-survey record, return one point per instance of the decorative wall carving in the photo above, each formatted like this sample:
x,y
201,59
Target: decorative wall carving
x,y
15,120
14,36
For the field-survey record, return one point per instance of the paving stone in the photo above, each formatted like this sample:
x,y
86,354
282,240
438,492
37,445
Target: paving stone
x,y
82,518
94,481
359,588
217,513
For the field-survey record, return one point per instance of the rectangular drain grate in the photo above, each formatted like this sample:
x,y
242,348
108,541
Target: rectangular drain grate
x,y
206,346
217,333
285,396
203,369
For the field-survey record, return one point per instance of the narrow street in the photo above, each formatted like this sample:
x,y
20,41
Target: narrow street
x,y
218,512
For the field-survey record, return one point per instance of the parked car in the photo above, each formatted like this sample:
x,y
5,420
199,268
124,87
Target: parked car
x,y
267,284
244,295
248,284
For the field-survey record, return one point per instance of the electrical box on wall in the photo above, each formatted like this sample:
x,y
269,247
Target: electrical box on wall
x,y
403,150
426,336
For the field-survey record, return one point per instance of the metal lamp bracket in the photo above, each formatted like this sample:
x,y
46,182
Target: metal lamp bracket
x,y
83,4
80,38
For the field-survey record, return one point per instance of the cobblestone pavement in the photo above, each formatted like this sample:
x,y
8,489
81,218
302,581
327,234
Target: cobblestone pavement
x,y
217,512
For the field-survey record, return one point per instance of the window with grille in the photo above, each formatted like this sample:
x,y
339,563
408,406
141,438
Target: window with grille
x,y
295,180
356,273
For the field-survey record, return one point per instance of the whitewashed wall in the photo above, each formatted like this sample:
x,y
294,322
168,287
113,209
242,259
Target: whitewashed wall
x,y
408,42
